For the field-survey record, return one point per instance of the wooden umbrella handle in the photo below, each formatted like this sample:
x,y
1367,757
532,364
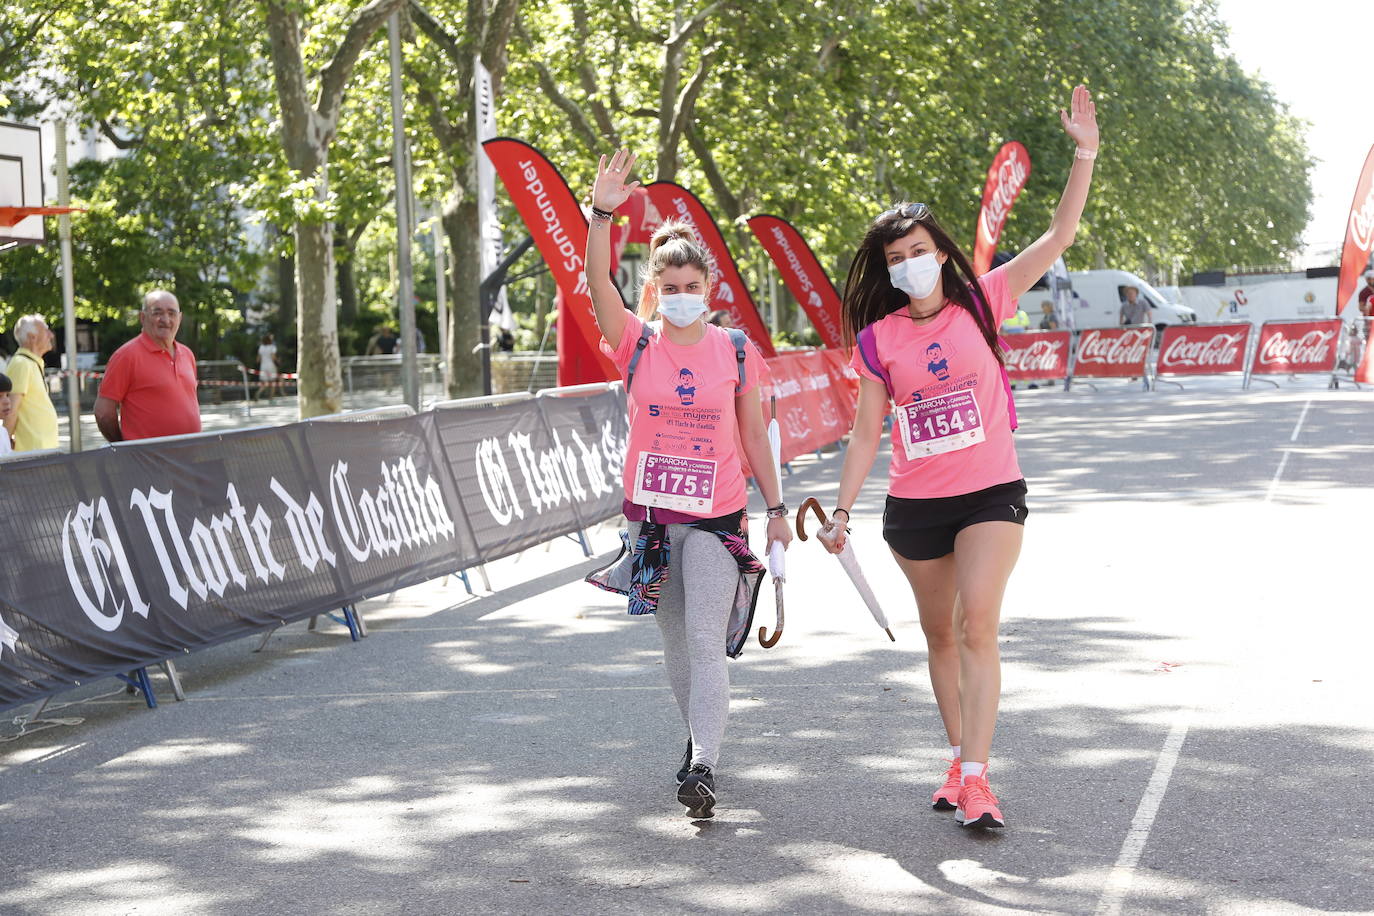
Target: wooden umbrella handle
x,y
809,503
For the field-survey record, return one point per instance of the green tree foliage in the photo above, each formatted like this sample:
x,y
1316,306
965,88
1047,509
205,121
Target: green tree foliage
x,y
822,112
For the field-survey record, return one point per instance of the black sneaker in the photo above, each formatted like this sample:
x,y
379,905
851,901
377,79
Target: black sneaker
x,y
686,763
698,792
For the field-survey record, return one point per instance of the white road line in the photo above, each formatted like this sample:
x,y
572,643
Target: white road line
x,y
1283,462
1119,880
1302,416
1274,484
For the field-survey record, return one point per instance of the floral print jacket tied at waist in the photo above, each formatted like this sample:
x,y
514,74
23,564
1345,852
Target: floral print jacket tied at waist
x,y
641,568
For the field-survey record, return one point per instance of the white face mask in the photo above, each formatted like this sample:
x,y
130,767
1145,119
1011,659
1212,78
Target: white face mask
x,y
682,308
916,276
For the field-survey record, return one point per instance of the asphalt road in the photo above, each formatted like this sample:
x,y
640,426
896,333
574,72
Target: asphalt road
x,y
1186,719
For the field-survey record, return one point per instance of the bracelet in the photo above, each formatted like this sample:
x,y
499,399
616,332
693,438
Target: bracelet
x,y
600,213
778,511
847,516
1085,153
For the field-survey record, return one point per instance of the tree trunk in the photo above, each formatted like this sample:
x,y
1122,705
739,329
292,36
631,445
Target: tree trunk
x,y
460,224
317,325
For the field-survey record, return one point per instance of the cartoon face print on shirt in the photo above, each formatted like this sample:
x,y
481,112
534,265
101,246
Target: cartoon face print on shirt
x,y
937,363
686,388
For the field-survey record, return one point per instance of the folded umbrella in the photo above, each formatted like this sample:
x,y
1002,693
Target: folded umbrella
x,y
776,565
847,559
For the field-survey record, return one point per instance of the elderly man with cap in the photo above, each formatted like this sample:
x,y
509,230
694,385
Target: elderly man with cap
x,y
149,387
33,419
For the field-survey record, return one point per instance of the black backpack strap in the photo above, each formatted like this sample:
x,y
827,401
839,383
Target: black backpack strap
x,y
640,344
738,338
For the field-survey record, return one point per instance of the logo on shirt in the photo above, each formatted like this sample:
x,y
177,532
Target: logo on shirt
x,y
938,364
686,388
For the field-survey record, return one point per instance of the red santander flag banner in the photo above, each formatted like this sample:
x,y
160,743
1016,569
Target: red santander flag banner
x,y
1203,349
1006,177
555,220
1113,352
1290,347
728,292
803,274
1037,355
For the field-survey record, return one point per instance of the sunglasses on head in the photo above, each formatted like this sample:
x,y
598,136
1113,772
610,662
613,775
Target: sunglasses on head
x,y
907,211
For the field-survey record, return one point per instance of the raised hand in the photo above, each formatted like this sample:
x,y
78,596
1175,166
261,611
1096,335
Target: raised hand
x,y
610,189
1080,121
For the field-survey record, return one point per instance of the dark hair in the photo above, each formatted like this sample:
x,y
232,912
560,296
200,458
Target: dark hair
x,y
5,383
869,294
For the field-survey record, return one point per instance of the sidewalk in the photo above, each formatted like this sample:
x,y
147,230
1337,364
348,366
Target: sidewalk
x,y
1185,605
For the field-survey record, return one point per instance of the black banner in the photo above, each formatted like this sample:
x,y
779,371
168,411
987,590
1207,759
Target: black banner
x,y
536,469
121,557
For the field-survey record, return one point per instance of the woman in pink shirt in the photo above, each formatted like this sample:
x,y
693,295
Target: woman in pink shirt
x,y
688,395
926,330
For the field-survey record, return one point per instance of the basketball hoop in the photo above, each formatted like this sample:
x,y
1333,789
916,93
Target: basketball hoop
x,y
10,216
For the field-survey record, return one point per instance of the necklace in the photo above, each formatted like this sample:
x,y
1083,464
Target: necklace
x,y
928,314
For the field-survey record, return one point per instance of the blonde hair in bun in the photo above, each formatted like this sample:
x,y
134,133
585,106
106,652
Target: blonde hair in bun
x,y
674,244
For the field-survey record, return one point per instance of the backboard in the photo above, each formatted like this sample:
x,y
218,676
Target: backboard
x,y
21,181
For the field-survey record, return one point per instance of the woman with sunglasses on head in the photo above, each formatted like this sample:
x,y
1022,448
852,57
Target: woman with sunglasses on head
x,y
926,334
690,386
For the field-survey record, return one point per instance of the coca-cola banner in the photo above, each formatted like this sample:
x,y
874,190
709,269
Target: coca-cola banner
x,y
803,274
1037,355
1113,352
121,557
1203,349
1006,177
1292,347
559,230
728,292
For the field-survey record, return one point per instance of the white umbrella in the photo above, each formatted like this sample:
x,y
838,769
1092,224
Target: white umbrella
x,y
847,559
776,553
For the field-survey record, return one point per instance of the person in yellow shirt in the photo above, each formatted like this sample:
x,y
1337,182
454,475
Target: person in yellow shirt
x,y
33,419
1018,323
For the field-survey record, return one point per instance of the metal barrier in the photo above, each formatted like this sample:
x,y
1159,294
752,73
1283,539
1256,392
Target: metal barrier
x,y
365,415
36,453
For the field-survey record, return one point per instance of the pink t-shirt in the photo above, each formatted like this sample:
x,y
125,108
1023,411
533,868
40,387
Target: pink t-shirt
x,y
950,435
682,456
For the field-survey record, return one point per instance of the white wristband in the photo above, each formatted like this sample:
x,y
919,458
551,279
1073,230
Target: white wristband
x,y
1083,153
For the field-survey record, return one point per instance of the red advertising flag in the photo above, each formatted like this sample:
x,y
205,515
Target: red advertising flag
x,y
1203,349
1113,352
728,292
1006,177
1359,239
1359,235
1037,355
555,220
803,274
1290,347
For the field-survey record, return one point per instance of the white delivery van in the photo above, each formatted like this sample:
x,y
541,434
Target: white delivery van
x,y
1264,297
1097,296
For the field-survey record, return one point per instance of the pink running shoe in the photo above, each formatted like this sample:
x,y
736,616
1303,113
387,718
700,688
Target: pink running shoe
x,y
947,796
977,805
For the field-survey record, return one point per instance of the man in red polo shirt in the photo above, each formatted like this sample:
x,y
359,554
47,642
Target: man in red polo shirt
x,y
149,387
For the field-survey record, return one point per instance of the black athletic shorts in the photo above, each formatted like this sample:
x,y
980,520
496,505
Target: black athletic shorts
x,y
924,529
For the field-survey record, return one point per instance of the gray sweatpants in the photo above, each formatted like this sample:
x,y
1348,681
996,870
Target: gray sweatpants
x,y
693,612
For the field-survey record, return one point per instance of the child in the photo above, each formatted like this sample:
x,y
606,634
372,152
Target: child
x,y
6,405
